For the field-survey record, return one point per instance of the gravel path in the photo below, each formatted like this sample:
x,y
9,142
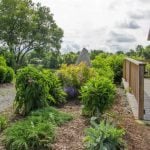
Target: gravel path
x,y
7,96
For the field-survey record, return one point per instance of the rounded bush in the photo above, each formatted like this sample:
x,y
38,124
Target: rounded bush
x,y
97,95
9,75
32,90
3,71
2,61
56,92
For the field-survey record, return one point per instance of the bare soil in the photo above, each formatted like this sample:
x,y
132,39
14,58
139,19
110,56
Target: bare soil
x,y
137,133
70,136
7,96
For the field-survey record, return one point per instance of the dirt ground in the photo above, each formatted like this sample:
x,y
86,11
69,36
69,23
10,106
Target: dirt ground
x,y
70,136
137,134
7,96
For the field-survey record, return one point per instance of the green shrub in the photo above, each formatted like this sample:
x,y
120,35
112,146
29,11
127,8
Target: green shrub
x,y
3,71
102,68
75,75
56,92
3,123
26,135
2,61
32,90
116,63
52,115
103,136
97,95
36,132
9,75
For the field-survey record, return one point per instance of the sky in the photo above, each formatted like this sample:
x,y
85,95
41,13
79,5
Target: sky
x,y
110,25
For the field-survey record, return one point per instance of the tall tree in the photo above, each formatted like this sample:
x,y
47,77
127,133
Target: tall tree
x,y
26,26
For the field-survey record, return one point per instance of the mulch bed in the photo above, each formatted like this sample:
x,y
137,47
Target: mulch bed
x,y
70,136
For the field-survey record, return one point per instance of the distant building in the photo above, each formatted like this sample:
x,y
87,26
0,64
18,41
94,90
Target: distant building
x,y
84,57
148,36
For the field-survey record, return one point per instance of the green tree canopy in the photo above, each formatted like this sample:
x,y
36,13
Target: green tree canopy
x,y
26,26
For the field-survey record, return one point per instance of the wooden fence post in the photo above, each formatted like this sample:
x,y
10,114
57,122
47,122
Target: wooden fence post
x,y
141,92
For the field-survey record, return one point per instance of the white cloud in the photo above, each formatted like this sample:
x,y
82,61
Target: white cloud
x,y
89,23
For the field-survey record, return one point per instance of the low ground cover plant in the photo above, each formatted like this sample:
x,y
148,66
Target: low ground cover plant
x,y
35,132
97,95
104,136
3,123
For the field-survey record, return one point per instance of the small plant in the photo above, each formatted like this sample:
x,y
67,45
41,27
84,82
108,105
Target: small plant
x,y
3,123
97,95
32,90
103,136
36,132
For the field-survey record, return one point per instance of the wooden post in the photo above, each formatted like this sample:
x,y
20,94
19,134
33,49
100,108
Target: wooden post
x,y
124,69
141,92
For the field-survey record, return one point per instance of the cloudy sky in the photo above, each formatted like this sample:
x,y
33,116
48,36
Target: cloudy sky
x,y
110,25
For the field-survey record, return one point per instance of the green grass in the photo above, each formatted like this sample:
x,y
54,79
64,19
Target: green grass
x,y
37,131
3,122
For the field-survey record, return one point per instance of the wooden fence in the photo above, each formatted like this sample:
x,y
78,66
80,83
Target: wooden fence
x,y
133,73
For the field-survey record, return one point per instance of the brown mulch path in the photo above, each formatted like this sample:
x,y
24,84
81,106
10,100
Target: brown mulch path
x,y
137,135
70,136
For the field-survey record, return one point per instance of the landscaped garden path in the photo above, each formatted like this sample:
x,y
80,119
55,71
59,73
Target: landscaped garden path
x,y
71,134
7,96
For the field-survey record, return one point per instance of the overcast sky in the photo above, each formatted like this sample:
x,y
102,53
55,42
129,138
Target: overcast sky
x,y
110,25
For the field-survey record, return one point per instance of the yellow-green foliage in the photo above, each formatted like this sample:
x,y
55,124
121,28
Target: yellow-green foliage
x,y
110,66
75,75
6,73
102,67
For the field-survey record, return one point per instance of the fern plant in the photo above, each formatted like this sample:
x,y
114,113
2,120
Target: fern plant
x,y
103,136
3,122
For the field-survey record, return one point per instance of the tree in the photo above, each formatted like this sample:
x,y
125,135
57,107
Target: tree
x,y
26,26
69,58
146,52
139,50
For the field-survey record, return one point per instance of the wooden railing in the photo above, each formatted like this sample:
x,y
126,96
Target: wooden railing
x,y
133,73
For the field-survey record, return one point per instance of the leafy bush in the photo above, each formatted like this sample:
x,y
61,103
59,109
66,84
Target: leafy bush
x,y
116,63
6,73
2,61
3,123
103,136
9,75
102,68
57,94
97,95
74,76
32,90
3,71
26,135
36,132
